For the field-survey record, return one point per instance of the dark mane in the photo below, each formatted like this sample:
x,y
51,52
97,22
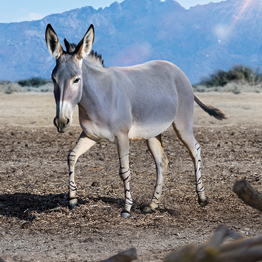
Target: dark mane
x,y
97,57
70,48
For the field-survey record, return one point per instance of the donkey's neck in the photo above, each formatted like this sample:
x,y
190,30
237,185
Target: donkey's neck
x,y
95,89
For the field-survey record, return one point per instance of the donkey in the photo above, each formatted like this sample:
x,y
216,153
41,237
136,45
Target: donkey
x,y
121,104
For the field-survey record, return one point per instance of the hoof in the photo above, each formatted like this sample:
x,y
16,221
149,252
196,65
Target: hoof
x,y
147,209
72,203
203,203
125,214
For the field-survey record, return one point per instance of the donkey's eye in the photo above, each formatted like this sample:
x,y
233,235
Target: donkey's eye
x,y
76,80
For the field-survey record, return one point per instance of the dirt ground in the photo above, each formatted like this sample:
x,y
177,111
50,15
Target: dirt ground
x,y
36,225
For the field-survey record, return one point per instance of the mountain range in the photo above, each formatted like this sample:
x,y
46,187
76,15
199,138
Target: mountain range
x,y
199,40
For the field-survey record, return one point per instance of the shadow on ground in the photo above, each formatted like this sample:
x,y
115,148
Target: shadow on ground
x,y
22,205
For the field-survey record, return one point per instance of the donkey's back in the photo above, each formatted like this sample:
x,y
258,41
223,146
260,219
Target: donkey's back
x,y
151,94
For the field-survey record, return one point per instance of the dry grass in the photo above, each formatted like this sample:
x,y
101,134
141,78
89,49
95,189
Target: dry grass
x,y
235,87
9,88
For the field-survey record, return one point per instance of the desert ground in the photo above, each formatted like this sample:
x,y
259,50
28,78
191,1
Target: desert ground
x,y
36,225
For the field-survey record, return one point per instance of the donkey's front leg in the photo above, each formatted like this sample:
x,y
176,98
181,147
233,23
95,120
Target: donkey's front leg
x,y
122,143
83,144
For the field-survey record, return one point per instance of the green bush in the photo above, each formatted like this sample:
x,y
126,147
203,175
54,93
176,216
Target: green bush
x,y
33,81
236,73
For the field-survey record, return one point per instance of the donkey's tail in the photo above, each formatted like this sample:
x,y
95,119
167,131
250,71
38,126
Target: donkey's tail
x,y
211,110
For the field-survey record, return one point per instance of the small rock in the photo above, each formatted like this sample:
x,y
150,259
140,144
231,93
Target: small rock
x,y
26,225
173,212
88,240
95,184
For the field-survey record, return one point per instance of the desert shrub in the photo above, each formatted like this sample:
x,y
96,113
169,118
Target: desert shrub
x,y
33,81
236,91
236,73
9,87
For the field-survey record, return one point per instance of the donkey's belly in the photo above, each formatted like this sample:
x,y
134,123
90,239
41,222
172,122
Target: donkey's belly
x,y
144,132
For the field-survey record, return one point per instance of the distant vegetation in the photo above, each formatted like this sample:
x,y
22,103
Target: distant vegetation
x,y
33,81
236,79
35,84
236,73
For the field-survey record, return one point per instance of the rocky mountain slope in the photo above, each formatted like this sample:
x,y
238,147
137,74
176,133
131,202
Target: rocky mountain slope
x,y
198,40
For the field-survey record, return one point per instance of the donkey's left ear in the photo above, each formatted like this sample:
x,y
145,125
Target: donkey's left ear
x,y
85,45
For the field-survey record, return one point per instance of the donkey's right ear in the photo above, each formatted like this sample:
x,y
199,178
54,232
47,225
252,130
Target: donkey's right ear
x,y
53,44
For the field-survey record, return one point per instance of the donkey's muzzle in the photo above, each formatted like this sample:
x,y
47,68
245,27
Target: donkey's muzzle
x,y
62,124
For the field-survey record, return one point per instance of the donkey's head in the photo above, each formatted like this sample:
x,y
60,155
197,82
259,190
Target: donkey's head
x,y
67,74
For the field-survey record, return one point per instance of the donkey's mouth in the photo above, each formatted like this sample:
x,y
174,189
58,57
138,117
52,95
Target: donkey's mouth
x,y
61,124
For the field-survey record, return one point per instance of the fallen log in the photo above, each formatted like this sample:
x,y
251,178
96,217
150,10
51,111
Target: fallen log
x,y
126,256
240,250
248,194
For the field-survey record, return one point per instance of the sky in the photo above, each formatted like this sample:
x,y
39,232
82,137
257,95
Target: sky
x,y
27,10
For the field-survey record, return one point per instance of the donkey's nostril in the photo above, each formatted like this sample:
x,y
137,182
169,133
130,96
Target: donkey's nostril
x,y
55,122
61,123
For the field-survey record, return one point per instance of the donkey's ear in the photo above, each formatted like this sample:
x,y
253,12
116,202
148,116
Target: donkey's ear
x,y
85,45
53,44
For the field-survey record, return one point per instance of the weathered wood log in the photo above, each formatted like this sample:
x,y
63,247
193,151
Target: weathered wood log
x,y
240,250
248,194
126,256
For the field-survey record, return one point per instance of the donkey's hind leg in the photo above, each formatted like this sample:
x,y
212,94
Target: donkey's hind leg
x,y
155,147
83,144
185,134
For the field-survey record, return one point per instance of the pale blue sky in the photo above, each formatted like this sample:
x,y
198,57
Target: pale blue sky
x,y
26,10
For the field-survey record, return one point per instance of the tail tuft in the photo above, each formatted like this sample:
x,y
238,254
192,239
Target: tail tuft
x,y
211,110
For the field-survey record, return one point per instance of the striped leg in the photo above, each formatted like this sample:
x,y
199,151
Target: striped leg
x,y
161,161
194,149
202,200
124,171
83,144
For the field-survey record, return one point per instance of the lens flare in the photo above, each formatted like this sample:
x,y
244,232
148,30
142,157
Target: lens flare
x,y
222,30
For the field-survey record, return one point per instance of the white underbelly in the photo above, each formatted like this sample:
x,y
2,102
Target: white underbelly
x,y
139,132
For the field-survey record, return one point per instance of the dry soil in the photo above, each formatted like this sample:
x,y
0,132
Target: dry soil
x,y
36,225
